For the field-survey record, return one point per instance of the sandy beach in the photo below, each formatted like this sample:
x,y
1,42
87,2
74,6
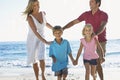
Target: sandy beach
x,y
74,74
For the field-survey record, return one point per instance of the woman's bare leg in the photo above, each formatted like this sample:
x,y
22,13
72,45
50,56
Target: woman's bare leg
x,y
36,71
42,66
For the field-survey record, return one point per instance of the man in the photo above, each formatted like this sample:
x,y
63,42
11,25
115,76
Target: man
x,y
98,20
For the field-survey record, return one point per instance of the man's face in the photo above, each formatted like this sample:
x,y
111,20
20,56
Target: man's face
x,y
93,4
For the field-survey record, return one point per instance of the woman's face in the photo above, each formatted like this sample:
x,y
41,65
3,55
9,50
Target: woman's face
x,y
36,6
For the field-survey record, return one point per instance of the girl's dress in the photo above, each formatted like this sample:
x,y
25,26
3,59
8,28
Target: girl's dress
x,y
35,47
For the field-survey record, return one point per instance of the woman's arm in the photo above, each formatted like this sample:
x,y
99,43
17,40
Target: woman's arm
x,y
49,25
33,27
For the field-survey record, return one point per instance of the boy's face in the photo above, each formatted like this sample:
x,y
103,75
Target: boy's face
x,y
58,34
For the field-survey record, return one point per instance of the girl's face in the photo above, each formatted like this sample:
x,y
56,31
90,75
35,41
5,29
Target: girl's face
x,y
58,34
88,31
36,6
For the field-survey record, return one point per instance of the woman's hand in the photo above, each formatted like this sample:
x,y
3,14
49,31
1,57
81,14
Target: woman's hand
x,y
48,42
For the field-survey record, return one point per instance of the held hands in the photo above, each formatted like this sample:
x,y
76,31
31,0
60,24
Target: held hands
x,y
101,60
48,42
75,62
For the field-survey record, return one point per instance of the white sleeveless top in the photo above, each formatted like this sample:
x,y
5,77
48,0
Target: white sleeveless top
x,y
35,47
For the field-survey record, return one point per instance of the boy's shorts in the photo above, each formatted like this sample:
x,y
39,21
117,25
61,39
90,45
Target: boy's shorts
x,y
62,72
91,62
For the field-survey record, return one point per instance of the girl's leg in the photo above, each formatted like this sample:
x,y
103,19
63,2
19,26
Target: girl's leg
x,y
36,70
93,69
87,73
42,66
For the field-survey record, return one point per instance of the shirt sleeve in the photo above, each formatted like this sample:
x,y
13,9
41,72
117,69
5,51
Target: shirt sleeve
x,y
104,17
82,17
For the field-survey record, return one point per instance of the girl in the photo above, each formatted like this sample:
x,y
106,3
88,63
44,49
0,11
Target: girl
x,y
35,39
90,43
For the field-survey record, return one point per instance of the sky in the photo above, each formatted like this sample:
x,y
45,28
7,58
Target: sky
x,y
14,27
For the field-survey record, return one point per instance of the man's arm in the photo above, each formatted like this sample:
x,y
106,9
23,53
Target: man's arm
x,y
70,24
102,28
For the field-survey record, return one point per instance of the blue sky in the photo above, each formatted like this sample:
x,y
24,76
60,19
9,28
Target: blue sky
x,y
13,26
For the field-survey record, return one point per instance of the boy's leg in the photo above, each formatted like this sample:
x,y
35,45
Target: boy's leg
x,y
62,74
59,77
58,74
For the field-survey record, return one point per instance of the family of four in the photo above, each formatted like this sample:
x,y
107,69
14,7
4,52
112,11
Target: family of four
x,y
93,42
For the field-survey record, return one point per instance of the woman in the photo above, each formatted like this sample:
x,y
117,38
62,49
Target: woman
x,y
35,39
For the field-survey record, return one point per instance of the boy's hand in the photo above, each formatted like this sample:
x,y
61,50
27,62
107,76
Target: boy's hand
x,y
54,59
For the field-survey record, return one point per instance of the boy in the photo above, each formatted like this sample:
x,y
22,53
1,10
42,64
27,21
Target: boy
x,y
59,51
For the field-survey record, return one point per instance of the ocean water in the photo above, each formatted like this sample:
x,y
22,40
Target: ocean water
x,y
13,54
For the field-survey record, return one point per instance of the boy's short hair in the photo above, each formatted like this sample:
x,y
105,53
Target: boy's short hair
x,y
57,28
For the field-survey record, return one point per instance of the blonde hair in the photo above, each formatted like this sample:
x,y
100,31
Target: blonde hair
x,y
87,26
29,8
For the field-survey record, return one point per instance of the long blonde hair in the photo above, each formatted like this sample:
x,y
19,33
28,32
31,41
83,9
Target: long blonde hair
x,y
29,8
88,26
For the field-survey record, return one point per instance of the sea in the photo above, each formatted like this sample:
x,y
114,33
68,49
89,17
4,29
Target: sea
x,y
14,55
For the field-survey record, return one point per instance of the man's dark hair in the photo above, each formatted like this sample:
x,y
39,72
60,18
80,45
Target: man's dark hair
x,y
98,1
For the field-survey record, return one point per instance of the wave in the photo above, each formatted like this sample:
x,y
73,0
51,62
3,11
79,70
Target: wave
x,y
113,53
